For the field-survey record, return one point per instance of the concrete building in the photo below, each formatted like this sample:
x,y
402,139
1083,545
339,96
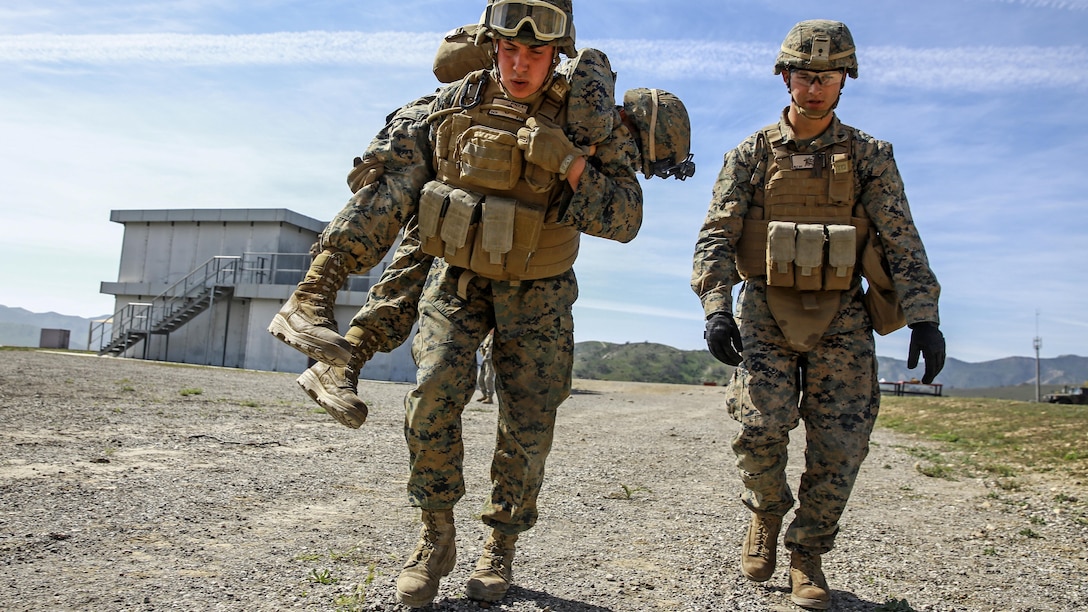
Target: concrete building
x,y
201,285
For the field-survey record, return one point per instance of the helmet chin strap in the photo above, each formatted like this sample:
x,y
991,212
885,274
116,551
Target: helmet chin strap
x,y
814,115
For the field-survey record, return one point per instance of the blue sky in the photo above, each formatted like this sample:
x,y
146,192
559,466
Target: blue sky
x,y
130,104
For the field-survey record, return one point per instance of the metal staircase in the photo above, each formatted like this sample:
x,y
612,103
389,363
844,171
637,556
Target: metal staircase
x,y
171,309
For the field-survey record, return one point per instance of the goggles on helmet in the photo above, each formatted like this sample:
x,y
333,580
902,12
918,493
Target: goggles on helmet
x,y
507,17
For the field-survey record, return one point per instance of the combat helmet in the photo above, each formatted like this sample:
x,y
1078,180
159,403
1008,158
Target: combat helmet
x,y
531,22
663,131
818,44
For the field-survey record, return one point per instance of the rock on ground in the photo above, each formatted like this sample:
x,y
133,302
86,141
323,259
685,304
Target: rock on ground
x,y
131,485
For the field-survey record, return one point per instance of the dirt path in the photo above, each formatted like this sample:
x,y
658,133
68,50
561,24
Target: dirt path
x,y
128,485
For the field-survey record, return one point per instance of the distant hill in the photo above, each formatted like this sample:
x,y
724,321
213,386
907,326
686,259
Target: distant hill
x,y
1007,372
20,327
648,362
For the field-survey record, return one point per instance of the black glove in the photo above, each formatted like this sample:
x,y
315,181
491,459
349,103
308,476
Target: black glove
x,y
723,338
926,339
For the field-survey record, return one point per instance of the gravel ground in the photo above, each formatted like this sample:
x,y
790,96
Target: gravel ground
x,y
129,485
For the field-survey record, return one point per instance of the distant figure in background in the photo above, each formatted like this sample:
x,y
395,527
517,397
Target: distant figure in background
x,y
485,381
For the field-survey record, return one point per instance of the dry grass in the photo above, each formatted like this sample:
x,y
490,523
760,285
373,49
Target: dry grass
x,y
1000,437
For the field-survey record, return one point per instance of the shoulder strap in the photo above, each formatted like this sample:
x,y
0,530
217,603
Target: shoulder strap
x,y
554,99
764,152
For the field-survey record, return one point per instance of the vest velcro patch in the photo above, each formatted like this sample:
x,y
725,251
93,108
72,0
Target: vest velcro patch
x,y
517,110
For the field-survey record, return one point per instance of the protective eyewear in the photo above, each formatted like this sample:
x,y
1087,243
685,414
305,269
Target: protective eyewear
x,y
807,78
507,17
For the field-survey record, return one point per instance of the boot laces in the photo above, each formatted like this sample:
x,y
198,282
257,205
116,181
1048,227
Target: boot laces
x,y
496,549
761,538
428,543
428,539
351,373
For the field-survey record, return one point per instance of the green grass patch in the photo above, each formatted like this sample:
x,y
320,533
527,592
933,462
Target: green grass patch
x,y
323,576
994,436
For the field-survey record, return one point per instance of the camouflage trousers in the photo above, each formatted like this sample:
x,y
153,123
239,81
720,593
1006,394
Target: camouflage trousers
x,y
533,354
392,304
834,389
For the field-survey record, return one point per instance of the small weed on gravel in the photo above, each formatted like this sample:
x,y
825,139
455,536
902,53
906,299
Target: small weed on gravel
x,y
894,605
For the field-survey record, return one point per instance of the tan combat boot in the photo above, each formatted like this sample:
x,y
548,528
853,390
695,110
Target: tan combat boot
x,y
807,583
336,388
433,558
759,553
306,322
494,571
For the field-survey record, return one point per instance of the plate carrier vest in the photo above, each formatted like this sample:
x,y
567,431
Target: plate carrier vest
x,y
488,210
802,230
806,236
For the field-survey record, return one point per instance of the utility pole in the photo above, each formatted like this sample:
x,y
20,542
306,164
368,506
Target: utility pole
x,y
1038,345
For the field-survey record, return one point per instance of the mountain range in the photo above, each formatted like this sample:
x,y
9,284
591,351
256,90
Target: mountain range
x,y
649,362
20,327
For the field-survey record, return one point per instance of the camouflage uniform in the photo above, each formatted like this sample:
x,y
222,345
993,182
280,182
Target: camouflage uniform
x,y
533,348
385,184
833,386
391,306
367,223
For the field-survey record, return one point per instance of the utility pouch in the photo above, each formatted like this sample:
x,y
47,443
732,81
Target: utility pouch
x,y
489,158
528,227
445,141
881,299
459,227
554,254
507,239
808,265
781,252
448,130
842,179
842,252
433,199
497,227
752,245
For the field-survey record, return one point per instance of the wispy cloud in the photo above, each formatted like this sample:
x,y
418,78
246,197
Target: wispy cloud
x,y
1067,5
976,68
957,68
690,314
280,48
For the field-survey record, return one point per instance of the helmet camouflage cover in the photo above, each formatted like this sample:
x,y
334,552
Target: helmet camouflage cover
x,y
521,16
663,132
818,44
